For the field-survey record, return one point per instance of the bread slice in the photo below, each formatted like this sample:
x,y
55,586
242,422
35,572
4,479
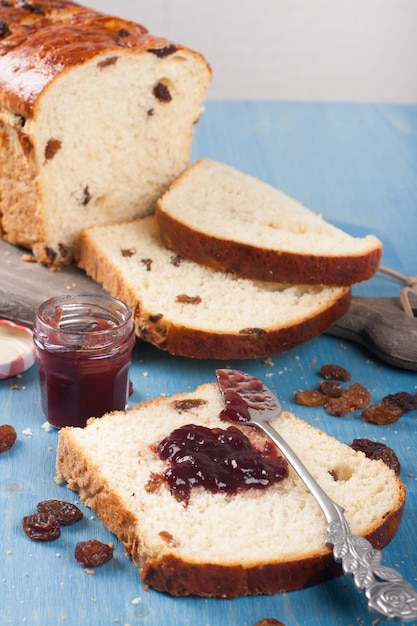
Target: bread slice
x,y
96,120
229,221
190,310
251,542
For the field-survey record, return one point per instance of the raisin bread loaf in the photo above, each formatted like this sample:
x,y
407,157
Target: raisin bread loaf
x,y
223,544
227,220
96,120
190,310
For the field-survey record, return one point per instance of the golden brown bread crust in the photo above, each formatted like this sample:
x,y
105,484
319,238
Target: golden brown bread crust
x,y
20,224
264,264
245,343
38,40
177,577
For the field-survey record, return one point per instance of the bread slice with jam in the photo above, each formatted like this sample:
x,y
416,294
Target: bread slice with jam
x,y
224,543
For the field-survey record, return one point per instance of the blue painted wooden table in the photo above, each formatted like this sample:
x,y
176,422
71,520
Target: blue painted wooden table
x,y
355,164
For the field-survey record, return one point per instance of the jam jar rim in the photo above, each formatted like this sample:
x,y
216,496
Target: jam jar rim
x,y
43,327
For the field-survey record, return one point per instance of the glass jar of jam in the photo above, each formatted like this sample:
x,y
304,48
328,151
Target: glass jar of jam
x,y
83,345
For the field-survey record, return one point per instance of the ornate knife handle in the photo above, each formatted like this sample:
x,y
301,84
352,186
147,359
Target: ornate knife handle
x,y
387,592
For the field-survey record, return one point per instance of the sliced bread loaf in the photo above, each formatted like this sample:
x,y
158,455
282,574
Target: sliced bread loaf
x,y
96,120
229,221
190,310
222,544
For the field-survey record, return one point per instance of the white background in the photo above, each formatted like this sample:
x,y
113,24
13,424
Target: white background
x,y
332,50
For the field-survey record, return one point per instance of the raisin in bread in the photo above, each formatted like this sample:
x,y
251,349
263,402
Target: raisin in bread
x,y
96,120
220,544
230,221
190,310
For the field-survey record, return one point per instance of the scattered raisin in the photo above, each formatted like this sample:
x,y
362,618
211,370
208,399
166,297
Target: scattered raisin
x,y
331,388
338,407
188,404
375,450
93,553
26,144
163,52
310,397
147,263
176,260
50,253
52,148
63,250
41,527
4,30
358,396
161,92
403,399
65,512
382,413
107,61
127,252
8,437
168,538
154,483
86,196
185,299
335,372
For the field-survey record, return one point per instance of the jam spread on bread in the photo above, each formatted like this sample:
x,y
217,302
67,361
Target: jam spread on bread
x,y
219,460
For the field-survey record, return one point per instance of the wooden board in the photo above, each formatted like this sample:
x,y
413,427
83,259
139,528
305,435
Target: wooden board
x,y
24,285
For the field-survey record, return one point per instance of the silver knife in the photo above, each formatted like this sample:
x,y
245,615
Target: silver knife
x,y
248,400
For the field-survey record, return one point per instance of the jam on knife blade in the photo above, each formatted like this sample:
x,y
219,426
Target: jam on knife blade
x,y
242,392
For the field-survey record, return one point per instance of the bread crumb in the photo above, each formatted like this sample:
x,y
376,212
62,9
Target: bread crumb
x,y
136,601
90,571
28,432
46,427
28,258
8,552
25,574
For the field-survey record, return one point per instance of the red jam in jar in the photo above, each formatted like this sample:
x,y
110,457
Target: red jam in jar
x,y
84,346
